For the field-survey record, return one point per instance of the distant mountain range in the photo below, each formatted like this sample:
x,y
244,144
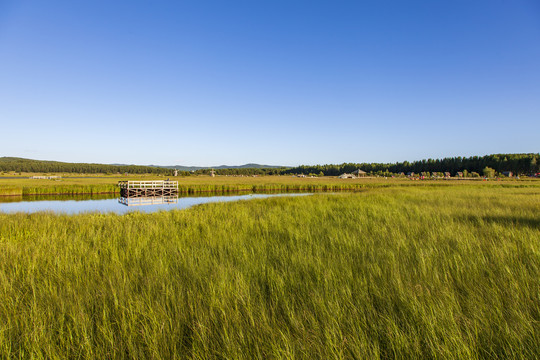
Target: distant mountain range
x,y
195,168
30,165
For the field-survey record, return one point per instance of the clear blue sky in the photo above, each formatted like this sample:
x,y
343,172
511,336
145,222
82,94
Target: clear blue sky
x,y
273,82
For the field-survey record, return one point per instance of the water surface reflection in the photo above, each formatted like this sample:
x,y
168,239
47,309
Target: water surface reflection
x,y
111,203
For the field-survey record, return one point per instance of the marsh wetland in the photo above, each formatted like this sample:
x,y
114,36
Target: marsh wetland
x,y
424,271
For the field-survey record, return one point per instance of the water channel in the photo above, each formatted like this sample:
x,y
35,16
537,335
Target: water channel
x,y
68,204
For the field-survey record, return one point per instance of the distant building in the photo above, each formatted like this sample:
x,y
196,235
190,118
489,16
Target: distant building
x,y
45,177
508,173
359,173
175,172
212,173
347,176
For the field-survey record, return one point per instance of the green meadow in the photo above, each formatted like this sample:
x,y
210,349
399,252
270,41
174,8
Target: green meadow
x,y
449,272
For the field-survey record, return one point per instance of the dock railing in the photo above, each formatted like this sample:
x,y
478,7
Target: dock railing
x,y
155,188
155,184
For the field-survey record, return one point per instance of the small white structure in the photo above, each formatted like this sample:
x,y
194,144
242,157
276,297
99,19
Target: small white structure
x,y
347,176
45,177
359,173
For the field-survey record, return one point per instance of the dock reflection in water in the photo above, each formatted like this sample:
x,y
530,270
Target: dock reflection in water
x,y
148,200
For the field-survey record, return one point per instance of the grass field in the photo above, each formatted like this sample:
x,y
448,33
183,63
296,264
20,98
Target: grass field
x,y
410,272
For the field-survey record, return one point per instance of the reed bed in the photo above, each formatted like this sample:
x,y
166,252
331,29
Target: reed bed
x,y
400,272
183,189
205,184
186,185
10,190
261,188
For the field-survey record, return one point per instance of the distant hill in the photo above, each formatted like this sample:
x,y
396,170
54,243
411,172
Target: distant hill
x,y
195,168
29,165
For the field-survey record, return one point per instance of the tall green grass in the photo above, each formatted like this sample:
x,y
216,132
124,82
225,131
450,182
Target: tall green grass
x,y
275,187
196,184
11,190
55,189
219,188
430,272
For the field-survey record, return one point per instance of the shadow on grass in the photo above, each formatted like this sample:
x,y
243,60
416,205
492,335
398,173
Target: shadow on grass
x,y
508,221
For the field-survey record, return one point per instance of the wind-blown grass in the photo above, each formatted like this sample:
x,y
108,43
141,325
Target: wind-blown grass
x,y
431,272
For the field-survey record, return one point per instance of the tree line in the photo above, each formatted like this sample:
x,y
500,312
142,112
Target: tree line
x,y
41,166
519,164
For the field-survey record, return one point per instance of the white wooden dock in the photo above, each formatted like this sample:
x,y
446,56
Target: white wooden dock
x,y
154,188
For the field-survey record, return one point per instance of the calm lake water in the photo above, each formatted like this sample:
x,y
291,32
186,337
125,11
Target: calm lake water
x,y
76,205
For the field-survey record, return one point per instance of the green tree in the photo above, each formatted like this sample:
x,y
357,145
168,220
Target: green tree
x,y
489,172
534,165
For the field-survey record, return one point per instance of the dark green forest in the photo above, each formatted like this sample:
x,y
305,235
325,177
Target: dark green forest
x,y
519,164
41,166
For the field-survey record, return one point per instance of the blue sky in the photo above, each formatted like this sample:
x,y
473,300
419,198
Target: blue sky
x,y
273,82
